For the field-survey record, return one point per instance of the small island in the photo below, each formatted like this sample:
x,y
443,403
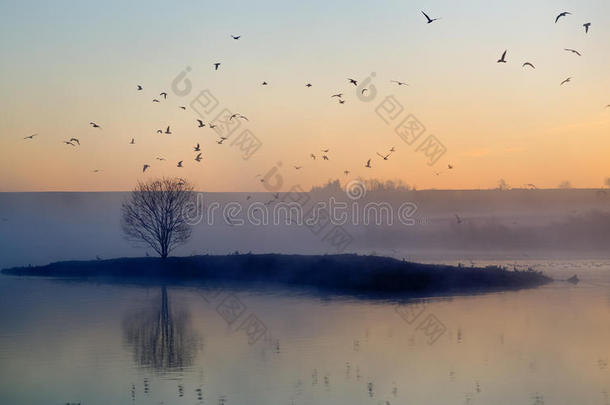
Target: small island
x,y
349,274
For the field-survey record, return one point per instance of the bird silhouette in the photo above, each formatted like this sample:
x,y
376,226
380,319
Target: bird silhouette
x,y
155,100
298,167
69,143
392,149
179,164
159,131
308,85
30,136
566,81
312,156
75,140
587,26
430,20
94,125
368,164
133,141
236,37
339,95
95,170
352,81
449,167
216,66
238,116
399,83
212,126
139,87
182,107
144,168
160,158
346,172
325,150
197,148
363,90
324,157
565,13
503,58
222,139
167,131
573,51
529,64
264,83
384,157
164,94
201,124
198,157
341,101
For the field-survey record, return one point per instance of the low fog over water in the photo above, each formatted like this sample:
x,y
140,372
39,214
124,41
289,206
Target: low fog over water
x,y
37,228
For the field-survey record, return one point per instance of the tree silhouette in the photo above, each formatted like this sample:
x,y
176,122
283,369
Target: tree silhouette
x,y
153,214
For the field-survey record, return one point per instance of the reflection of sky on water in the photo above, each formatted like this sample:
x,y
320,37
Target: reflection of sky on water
x,y
63,342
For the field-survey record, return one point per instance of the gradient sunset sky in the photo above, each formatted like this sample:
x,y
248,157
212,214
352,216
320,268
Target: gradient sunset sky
x,y
65,64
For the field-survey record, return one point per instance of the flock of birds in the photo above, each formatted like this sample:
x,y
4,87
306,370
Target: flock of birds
x,y
74,142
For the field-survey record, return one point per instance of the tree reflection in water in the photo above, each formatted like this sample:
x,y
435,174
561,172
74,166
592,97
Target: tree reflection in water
x,y
160,338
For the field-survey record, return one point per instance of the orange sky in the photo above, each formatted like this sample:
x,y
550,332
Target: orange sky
x,y
66,67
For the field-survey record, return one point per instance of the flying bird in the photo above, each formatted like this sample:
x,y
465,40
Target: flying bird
x,y
197,148
573,51
75,140
352,81
222,139
565,13
133,141
94,125
212,126
201,124
216,66
529,64
430,20
449,167
325,150
392,149
164,94
264,83
341,101
182,107
384,157
139,87
312,156
167,131
236,37
179,164
31,136
298,167
308,85
399,83
337,95
144,168
586,25
238,116
324,157
503,58
155,100
159,131
566,81
69,143
363,90
95,170
198,158
368,164
160,158
346,172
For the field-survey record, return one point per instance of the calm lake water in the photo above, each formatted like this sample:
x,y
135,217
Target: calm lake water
x,y
90,343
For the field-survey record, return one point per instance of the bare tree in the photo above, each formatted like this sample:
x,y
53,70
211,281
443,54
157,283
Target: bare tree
x,y
153,214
